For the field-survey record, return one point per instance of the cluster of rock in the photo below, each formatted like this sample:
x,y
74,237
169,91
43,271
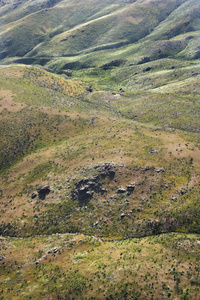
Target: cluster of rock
x,y
85,188
42,192
152,169
54,251
129,189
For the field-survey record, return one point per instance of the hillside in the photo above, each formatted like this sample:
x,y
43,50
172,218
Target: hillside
x,y
99,149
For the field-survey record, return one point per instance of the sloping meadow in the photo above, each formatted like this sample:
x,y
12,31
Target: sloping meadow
x,y
56,134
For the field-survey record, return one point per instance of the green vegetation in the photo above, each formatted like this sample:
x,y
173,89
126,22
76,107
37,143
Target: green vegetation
x,y
99,149
71,266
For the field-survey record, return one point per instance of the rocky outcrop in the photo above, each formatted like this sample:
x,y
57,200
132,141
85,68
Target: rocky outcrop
x,y
123,215
121,190
33,195
43,191
161,170
85,188
130,187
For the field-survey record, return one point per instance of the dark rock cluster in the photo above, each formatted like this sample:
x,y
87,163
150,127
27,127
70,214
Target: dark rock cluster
x,y
43,191
85,188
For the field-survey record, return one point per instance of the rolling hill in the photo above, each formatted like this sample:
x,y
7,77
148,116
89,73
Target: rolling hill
x,y
99,149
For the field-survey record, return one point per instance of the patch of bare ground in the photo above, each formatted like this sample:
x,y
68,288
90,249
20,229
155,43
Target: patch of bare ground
x,y
178,147
6,102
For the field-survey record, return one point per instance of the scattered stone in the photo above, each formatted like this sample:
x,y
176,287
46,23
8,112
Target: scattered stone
x,y
33,195
121,90
147,168
130,187
55,250
103,191
123,215
2,257
121,190
154,151
161,170
174,198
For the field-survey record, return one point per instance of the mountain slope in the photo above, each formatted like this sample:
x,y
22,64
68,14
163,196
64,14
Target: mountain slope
x,y
108,167
85,25
105,141
99,149
104,39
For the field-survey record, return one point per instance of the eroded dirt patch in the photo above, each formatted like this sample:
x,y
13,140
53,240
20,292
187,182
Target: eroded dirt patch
x,y
6,102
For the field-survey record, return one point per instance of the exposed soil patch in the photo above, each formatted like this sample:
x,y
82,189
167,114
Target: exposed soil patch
x,y
6,102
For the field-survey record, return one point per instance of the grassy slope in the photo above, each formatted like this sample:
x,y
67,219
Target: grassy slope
x,y
123,128
154,267
63,132
69,38
53,131
115,23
